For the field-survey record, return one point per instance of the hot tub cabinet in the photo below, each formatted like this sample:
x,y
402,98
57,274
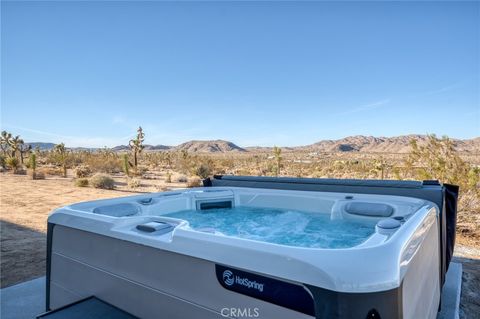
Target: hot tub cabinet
x,y
135,255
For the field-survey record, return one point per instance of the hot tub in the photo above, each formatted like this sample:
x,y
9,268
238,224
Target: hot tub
x,y
255,247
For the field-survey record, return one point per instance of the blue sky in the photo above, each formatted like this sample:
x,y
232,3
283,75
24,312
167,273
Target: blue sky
x,y
284,73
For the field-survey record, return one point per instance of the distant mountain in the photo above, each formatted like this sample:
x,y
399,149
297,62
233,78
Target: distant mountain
x,y
371,144
41,146
216,146
123,148
358,143
472,145
157,147
120,148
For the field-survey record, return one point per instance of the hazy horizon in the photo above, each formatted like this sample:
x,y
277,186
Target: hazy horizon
x,y
237,144
253,73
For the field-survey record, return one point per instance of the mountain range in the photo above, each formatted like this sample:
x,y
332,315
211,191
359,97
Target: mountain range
x,y
358,143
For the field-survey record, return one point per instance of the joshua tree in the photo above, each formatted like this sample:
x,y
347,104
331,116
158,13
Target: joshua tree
x,y
33,164
24,149
168,159
380,166
126,165
5,141
136,145
277,152
61,153
184,160
14,144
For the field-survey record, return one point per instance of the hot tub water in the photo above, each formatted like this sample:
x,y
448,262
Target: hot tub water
x,y
279,226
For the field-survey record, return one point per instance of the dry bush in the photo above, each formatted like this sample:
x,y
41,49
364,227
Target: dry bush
x,y
141,170
194,181
36,175
81,182
100,164
168,177
163,188
82,171
51,171
439,160
102,181
134,183
2,161
12,163
204,170
468,218
180,179
20,171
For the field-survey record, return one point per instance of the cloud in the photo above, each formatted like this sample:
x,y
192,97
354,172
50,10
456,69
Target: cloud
x,y
440,90
367,107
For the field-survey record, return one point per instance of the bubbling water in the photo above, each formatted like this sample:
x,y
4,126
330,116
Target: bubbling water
x,y
279,226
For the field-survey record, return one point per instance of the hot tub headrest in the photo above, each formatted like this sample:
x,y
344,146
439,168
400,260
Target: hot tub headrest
x,y
369,209
117,210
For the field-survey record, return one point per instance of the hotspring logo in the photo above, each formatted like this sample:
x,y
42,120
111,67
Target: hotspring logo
x,y
229,278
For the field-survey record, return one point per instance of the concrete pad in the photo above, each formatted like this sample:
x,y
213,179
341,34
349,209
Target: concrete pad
x,y
22,301
451,292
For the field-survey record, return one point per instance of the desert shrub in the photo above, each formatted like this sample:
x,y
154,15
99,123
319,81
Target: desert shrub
x,y
180,179
102,164
438,159
38,175
20,171
2,161
194,181
163,188
81,182
102,181
12,163
51,171
35,174
473,178
203,171
82,171
134,183
140,171
61,157
468,217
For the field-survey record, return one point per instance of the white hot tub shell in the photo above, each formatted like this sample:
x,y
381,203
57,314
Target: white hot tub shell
x,y
126,252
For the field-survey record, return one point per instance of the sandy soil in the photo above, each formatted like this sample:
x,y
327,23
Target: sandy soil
x,y
25,205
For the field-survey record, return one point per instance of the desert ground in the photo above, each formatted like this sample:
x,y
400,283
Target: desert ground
x,y
26,204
